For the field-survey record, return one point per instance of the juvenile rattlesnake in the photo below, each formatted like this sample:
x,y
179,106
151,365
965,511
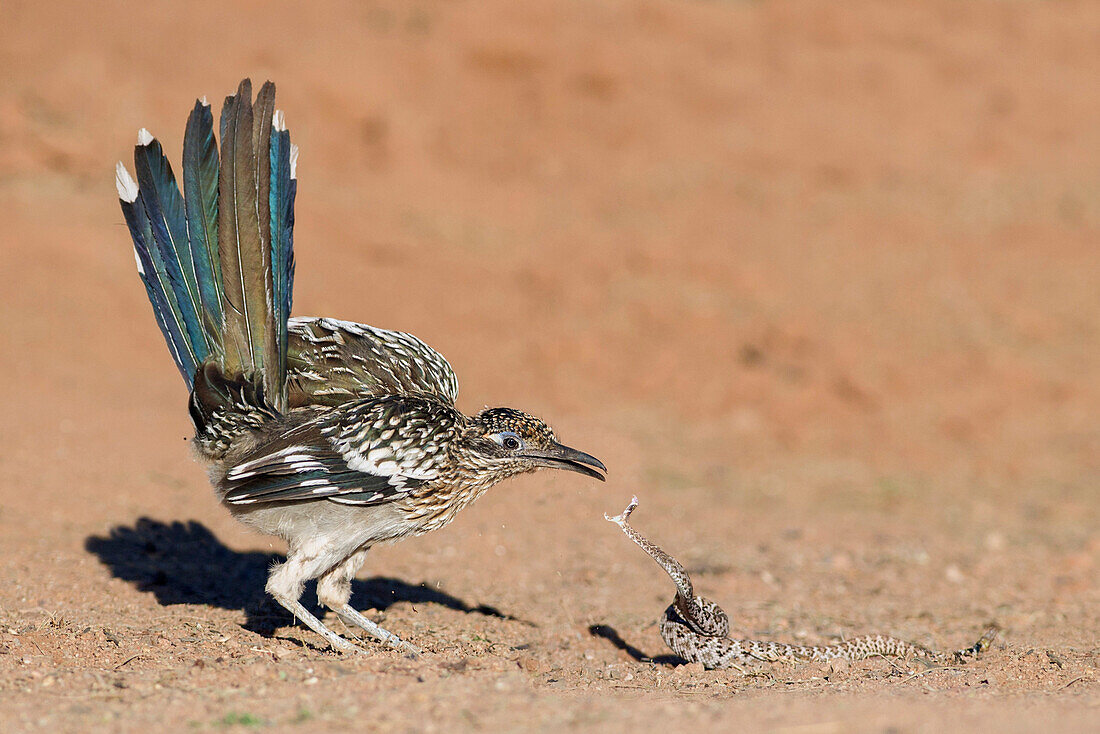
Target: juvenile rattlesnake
x,y
697,629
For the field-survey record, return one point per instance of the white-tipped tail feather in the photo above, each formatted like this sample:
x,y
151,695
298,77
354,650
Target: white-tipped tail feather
x,y
203,101
124,182
144,137
278,121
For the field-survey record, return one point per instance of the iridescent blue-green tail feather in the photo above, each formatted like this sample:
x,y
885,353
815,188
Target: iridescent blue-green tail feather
x,y
200,188
281,207
158,286
218,261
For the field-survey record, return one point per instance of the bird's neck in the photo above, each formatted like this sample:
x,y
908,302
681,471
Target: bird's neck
x,y
436,503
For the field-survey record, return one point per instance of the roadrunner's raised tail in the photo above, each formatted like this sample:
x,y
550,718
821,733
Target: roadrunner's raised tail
x,y
332,435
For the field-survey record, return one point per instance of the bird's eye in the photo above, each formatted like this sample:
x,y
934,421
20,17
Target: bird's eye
x,y
507,440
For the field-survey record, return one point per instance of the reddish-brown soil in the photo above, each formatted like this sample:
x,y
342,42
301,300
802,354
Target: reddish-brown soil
x,y
818,281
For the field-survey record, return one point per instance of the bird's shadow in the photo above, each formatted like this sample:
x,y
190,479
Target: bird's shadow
x,y
184,563
612,636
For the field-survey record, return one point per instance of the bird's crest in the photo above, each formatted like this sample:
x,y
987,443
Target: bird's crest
x,y
524,425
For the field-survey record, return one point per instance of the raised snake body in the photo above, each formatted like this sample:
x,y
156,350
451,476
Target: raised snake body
x,y
697,629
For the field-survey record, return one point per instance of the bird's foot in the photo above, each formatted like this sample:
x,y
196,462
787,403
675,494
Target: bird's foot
x,y
350,615
302,614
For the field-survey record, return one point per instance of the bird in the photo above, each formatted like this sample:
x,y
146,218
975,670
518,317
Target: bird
x,y
332,435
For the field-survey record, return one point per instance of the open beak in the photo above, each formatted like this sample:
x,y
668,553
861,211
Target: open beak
x,y
563,457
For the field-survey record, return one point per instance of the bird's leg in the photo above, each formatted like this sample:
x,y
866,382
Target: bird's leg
x,y
671,566
334,591
285,584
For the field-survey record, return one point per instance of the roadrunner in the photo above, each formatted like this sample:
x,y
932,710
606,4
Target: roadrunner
x,y
332,435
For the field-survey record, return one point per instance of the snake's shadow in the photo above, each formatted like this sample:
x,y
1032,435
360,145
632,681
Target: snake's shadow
x,y
612,636
184,563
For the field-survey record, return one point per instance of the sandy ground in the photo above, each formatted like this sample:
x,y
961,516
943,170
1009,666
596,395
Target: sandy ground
x,y
818,282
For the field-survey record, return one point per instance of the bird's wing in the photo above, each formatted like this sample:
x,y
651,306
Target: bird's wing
x,y
332,362
368,452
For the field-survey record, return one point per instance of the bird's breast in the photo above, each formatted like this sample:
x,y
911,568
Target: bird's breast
x,y
435,504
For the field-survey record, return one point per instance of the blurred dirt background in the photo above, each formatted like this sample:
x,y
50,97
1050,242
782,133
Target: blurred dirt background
x,y
818,282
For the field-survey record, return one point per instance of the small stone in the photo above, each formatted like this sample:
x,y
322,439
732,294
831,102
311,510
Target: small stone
x,y
529,664
690,670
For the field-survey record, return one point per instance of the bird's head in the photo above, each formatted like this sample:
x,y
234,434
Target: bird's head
x,y
513,442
